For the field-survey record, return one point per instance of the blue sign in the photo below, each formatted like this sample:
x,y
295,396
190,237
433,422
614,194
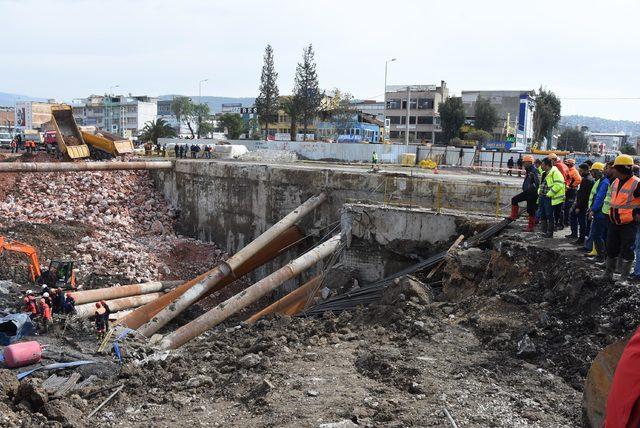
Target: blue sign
x,y
498,145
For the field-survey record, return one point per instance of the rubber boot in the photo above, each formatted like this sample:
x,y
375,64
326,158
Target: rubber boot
x,y
514,213
531,225
543,226
549,232
610,268
593,252
624,266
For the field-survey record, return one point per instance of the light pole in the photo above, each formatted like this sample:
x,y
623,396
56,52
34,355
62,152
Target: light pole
x,y
386,65
200,90
406,132
111,89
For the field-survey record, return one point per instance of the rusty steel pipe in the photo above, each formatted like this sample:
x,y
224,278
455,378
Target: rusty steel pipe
x,y
110,293
88,309
290,304
241,300
82,166
143,314
226,268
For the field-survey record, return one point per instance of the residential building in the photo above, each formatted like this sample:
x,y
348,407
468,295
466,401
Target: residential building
x,y
423,121
515,113
119,114
7,119
608,142
32,114
359,128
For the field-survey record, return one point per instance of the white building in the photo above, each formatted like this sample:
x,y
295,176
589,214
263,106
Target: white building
x,y
119,114
32,115
608,142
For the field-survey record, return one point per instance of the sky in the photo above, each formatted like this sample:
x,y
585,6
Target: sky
x,y
67,49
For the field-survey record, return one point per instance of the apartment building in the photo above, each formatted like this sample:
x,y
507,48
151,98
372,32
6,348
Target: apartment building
x,y
119,114
32,115
608,142
7,119
421,119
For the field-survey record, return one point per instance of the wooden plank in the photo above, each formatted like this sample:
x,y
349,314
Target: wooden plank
x,y
451,248
68,385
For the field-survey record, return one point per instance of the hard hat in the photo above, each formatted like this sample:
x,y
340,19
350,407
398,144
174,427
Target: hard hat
x,y
624,160
570,161
597,166
45,294
43,286
552,156
527,158
29,291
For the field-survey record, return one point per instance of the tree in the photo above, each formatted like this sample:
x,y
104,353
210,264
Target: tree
x,y
267,101
451,117
478,135
340,110
180,107
252,129
628,149
198,115
547,114
574,140
155,129
292,109
306,89
486,116
233,124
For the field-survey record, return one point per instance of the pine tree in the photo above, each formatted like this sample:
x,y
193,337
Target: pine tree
x,y
306,90
267,100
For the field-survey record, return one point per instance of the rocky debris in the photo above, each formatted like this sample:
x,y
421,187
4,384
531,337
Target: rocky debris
x,y
130,225
63,412
8,383
31,393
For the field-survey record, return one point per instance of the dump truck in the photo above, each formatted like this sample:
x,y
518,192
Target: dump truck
x,y
105,145
68,136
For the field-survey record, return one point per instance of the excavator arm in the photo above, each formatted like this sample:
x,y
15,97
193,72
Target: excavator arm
x,y
19,247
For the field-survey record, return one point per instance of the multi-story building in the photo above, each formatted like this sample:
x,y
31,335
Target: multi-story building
x,y
421,119
608,142
119,114
32,114
7,119
514,109
359,128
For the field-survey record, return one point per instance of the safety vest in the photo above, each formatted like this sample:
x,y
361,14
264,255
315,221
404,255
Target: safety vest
x,y
606,204
555,186
622,200
594,190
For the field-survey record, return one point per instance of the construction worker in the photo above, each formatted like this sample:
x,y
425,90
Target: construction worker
x,y
529,193
578,215
538,164
69,304
101,320
510,164
573,180
623,402
46,319
551,191
624,209
558,214
30,305
598,212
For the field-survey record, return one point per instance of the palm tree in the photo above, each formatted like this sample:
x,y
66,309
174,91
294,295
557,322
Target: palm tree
x,y
155,129
290,106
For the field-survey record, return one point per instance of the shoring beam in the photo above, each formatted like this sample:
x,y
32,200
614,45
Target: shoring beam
x,y
82,166
228,267
290,304
88,309
241,300
110,293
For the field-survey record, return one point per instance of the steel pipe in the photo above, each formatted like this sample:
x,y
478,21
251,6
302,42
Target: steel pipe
x,y
82,166
88,296
226,268
241,300
290,304
88,309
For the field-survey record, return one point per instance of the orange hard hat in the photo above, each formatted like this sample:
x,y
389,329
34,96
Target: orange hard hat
x,y
570,161
527,158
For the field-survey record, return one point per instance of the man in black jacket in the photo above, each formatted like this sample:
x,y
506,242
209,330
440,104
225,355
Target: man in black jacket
x,y
529,193
578,216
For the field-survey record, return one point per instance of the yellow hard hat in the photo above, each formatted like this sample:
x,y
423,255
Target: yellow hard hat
x,y
624,160
597,166
552,156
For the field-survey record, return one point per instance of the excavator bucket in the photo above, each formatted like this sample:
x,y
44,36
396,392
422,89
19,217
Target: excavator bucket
x,y
598,383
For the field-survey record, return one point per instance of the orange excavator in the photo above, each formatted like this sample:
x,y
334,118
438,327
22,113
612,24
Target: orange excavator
x,y
59,274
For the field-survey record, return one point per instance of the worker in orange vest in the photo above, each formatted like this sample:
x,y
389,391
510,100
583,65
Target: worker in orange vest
x,y
30,305
46,319
101,320
573,180
623,212
623,402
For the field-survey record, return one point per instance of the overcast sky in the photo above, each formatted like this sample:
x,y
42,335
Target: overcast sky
x,y
71,48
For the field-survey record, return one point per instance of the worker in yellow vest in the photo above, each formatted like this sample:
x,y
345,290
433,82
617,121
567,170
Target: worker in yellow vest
x,y
552,189
623,212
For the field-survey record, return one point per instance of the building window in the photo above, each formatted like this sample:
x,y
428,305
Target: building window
x,y
412,120
424,135
393,104
394,134
425,120
412,105
394,120
426,103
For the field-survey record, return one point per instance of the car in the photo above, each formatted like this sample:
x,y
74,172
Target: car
x,y
5,140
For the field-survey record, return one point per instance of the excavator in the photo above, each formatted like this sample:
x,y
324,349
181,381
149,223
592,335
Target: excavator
x,y
60,273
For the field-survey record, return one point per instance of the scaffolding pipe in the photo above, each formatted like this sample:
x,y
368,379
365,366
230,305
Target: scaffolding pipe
x,y
290,304
241,300
88,309
228,267
111,293
82,166
143,314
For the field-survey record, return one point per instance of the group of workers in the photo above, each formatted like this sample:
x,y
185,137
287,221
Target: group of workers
x,y
182,150
599,202
52,301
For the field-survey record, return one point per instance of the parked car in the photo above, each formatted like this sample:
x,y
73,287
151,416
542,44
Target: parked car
x,y
5,140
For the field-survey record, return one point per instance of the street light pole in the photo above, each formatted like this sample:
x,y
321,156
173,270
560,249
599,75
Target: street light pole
x,y
386,65
200,90
406,132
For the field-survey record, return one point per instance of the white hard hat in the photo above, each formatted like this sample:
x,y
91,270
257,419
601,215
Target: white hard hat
x,y
29,291
43,286
45,294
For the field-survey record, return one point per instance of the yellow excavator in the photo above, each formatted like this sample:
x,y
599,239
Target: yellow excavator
x,y
105,145
60,273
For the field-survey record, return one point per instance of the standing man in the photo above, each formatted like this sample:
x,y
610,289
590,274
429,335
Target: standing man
x,y
460,156
573,181
519,163
529,193
558,214
176,150
578,215
624,209
552,189
510,166
598,206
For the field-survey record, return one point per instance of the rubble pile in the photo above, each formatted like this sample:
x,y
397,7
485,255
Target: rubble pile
x,y
131,225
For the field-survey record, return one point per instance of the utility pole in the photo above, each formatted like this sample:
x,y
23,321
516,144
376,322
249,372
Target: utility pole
x,y
200,90
386,64
406,132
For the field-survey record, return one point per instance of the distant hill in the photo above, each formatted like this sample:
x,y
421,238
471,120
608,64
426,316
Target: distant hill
x,y
598,124
9,100
215,103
